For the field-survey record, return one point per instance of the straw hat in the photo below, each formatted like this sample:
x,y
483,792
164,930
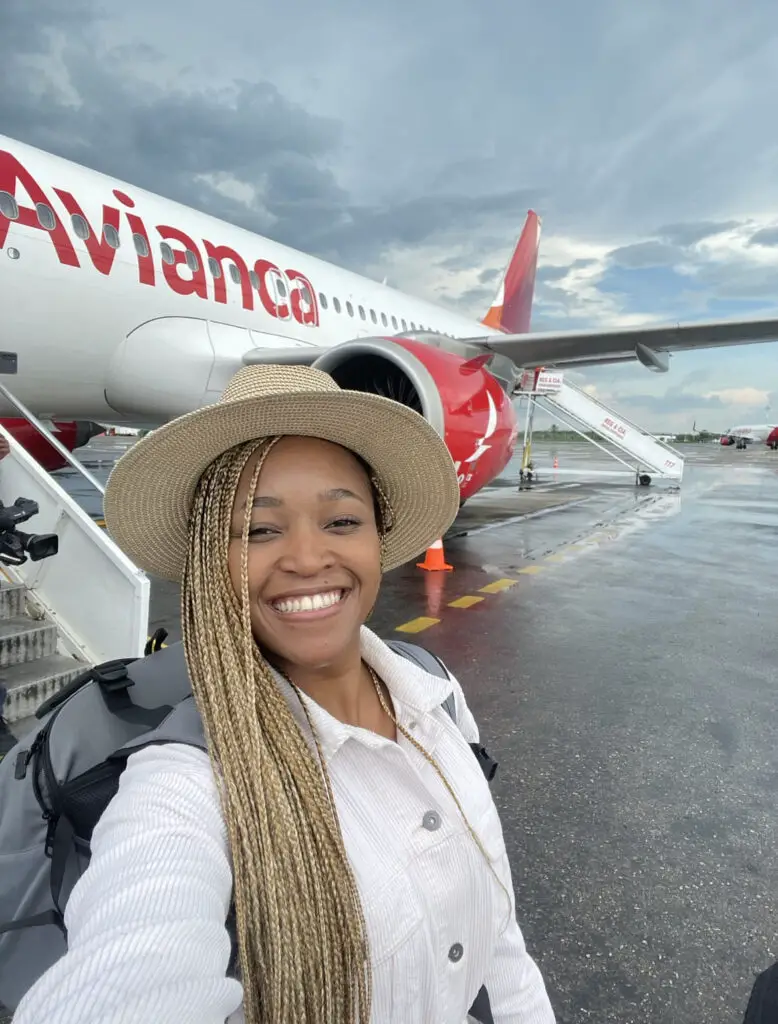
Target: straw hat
x,y
149,494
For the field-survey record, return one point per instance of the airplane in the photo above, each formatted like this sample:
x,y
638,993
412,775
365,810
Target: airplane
x,y
742,436
123,307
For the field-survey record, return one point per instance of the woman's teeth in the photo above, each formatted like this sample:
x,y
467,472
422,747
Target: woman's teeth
x,y
309,602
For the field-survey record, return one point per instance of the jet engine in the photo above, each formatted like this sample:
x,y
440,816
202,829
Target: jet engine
x,y
71,434
460,398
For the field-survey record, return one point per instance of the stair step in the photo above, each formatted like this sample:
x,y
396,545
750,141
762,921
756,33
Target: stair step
x,y
30,683
24,639
12,602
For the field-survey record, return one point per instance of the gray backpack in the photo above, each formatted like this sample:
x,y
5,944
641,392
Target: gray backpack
x,y
56,783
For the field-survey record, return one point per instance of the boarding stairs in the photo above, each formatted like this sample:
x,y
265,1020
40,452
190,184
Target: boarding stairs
x,y
84,605
628,443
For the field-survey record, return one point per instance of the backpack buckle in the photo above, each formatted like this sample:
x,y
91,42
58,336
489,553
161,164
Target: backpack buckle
x,y
112,676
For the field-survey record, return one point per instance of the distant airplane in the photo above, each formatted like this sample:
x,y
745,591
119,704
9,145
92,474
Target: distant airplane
x,y
122,307
743,436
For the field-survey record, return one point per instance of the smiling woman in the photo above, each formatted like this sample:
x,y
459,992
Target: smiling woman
x,y
338,829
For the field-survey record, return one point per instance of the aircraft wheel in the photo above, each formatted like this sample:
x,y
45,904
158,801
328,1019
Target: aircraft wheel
x,y
644,480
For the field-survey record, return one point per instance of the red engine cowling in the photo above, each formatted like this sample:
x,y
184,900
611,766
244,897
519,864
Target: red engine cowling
x,y
72,434
461,399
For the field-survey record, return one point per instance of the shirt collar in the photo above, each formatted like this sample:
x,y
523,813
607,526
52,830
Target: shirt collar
x,y
414,693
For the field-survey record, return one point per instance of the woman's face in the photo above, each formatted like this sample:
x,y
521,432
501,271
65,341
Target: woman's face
x,y
314,558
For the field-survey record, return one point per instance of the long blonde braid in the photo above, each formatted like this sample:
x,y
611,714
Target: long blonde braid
x,y
301,932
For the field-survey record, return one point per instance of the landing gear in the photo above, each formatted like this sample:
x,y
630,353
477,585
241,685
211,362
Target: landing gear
x,y
643,480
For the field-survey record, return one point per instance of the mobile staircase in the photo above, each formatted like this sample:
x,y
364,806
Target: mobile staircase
x,y
640,452
85,604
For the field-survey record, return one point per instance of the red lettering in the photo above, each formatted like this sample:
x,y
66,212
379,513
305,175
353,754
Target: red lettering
x,y
182,285
145,260
305,308
11,172
101,253
224,252
264,269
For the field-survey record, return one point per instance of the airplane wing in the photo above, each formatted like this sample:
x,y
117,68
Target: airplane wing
x,y
650,345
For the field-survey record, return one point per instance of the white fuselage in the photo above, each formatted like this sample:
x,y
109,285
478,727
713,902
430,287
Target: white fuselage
x,y
70,297
757,433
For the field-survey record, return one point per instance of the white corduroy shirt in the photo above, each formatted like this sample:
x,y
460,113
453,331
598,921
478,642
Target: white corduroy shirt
x,y
146,922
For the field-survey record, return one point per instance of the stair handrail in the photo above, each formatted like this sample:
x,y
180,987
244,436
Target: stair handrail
x,y
33,420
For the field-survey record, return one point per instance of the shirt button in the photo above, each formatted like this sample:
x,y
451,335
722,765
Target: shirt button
x,y
456,953
431,821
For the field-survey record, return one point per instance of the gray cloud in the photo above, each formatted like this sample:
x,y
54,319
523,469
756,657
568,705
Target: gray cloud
x,y
645,254
767,237
489,275
690,234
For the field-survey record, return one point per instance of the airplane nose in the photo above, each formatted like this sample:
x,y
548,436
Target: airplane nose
x,y
85,431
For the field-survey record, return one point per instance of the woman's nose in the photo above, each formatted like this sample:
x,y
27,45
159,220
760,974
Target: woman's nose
x,y
306,552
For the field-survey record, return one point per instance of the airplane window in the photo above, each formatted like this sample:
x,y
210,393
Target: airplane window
x,y
111,235
336,305
323,300
8,206
167,253
191,261
46,217
405,326
141,246
215,267
394,322
80,227
373,317
384,321
280,287
413,326
349,309
362,312
234,273
254,278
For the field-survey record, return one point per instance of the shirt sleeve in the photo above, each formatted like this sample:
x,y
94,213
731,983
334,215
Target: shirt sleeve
x,y
146,921
517,992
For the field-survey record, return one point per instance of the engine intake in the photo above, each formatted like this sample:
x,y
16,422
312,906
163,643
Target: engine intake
x,y
380,366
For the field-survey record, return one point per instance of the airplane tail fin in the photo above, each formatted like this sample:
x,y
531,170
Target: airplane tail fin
x,y
511,310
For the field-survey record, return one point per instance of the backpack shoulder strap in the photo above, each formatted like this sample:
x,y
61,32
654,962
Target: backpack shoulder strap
x,y
420,656
431,663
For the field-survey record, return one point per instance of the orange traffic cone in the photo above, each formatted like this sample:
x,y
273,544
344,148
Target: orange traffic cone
x,y
434,560
556,462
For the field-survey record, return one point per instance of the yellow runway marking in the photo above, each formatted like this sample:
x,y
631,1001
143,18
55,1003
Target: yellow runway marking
x,y
497,586
531,570
417,625
556,558
465,602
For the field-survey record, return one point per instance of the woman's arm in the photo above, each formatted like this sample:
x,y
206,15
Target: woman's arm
x,y
517,993
146,921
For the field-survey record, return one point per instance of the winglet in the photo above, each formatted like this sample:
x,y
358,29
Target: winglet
x,y
511,310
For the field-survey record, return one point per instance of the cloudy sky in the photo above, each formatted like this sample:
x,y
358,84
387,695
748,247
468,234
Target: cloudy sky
x,y
409,139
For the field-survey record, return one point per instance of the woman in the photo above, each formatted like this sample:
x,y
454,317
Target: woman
x,y
340,809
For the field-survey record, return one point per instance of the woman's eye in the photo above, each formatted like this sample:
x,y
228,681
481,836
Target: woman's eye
x,y
262,532
344,522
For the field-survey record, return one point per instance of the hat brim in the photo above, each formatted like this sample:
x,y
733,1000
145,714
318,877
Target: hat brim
x,y
148,499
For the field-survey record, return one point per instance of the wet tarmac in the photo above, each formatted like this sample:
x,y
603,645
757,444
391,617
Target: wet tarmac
x,y
617,647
